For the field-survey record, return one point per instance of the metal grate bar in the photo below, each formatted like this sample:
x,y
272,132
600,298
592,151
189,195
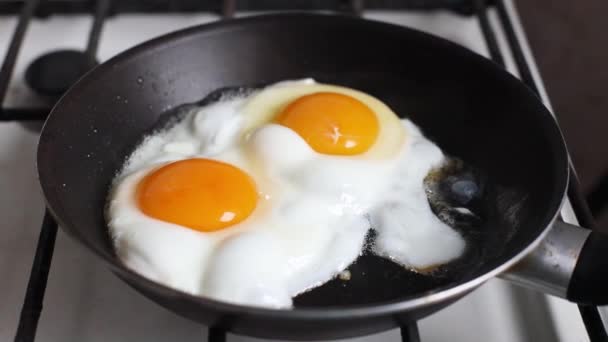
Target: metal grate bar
x,y
6,72
228,8
593,323
23,114
409,332
136,6
216,335
598,197
101,11
488,32
357,6
518,55
34,296
590,314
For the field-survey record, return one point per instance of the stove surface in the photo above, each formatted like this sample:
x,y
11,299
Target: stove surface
x,y
85,302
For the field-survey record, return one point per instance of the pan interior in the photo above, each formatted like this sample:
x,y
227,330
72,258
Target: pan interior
x,y
462,103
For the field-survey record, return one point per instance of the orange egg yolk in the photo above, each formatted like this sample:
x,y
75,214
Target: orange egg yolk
x,y
332,123
202,194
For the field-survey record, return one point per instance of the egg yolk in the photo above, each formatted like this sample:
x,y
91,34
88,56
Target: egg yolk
x,y
332,123
202,194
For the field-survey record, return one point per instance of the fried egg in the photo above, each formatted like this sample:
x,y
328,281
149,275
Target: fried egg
x,y
263,195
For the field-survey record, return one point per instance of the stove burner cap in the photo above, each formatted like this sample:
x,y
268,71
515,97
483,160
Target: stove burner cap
x,y
53,73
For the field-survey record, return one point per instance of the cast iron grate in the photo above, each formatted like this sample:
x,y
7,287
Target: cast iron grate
x,y
100,9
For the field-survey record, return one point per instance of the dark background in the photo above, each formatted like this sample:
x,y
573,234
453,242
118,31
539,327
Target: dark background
x,y
570,42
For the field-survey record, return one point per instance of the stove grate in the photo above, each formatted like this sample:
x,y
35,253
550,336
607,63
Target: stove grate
x,y
100,9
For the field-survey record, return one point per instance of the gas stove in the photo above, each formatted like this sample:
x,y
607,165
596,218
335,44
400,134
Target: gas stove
x,y
83,301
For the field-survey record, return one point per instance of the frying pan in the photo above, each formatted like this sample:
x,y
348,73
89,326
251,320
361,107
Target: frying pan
x,y
466,104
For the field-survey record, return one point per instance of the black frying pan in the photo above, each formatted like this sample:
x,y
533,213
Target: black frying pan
x,y
467,105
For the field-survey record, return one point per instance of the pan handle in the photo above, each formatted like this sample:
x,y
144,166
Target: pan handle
x,y
571,262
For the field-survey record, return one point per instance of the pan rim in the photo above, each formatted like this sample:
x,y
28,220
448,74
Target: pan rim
x,y
437,295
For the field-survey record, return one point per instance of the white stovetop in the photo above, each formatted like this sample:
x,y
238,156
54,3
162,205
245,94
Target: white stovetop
x,y
85,302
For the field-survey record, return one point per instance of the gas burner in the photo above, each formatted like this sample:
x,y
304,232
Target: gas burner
x,y
53,73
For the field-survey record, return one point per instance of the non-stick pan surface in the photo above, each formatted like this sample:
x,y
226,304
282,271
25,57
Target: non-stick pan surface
x,y
466,104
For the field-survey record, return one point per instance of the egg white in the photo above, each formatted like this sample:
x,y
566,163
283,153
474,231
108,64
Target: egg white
x,y
408,232
313,212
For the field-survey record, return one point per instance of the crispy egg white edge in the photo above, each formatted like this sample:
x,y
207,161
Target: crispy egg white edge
x,y
409,233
